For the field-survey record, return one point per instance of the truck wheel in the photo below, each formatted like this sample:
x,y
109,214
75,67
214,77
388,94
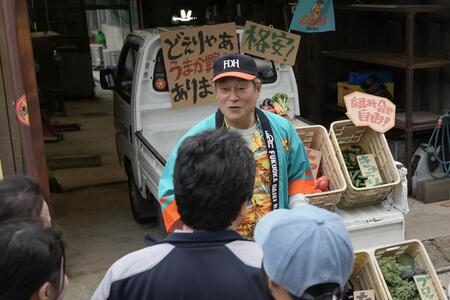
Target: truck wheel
x,y
160,220
144,210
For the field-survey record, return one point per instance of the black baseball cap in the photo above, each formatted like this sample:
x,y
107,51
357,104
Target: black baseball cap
x,y
235,65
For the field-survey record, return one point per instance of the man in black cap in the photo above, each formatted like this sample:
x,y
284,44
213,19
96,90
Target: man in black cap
x,y
283,173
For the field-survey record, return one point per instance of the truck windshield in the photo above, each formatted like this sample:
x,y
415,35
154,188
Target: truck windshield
x,y
266,72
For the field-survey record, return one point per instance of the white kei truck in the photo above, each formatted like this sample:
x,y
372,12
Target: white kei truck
x,y
147,128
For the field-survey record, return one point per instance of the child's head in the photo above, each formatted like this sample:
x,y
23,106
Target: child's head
x,y
32,262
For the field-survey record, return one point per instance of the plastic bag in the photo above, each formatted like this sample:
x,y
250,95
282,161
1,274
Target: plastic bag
x,y
398,198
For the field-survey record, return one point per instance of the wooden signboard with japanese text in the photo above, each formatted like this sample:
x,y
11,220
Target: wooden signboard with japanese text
x,y
367,110
271,43
189,55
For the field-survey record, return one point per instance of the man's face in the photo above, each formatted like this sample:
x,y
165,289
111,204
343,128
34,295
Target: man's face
x,y
237,100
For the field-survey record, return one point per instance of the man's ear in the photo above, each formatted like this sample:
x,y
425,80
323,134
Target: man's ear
x,y
44,292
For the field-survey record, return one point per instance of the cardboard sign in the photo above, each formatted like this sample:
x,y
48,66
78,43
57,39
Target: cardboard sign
x,y
364,295
189,55
425,287
369,169
314,157
367,110
268,42
313,16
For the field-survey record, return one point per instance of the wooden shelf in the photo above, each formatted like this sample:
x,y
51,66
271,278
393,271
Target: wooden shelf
x,y
426,8
421,120
386,59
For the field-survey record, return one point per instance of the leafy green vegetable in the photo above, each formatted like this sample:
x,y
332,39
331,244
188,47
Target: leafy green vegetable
x,y
405,260
399,278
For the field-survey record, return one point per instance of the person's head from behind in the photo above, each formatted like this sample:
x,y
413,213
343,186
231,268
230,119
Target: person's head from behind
x,y
32,262
213,179
21,200
307,253
237,88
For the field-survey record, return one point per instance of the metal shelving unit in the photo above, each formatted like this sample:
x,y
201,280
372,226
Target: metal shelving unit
x,y
408,122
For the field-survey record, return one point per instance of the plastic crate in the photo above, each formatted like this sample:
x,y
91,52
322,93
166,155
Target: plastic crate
x,y
417,251
316,137
344,134
366,277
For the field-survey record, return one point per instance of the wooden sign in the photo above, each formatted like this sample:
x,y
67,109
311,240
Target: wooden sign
x,y
425,287
364,295
367,110
189,55
369,169
268,42
314,157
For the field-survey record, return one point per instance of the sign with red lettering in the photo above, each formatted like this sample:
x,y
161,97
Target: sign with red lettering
x,y
314,157
189,55
367,110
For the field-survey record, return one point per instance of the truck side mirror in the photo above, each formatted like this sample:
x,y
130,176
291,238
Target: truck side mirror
x,y
107,79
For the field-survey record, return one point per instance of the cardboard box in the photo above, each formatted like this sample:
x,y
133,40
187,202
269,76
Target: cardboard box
x,y
344,88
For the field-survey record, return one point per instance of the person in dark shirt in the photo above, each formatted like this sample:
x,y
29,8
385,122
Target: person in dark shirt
x,y
213,178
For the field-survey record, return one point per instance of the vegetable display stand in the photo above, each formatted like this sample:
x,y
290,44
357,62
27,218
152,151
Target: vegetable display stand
x,y
415,250
316,137
344,134
365,275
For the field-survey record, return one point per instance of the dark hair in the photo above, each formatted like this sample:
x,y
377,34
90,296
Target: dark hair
x,y
20,199
30,256
318,291
214,175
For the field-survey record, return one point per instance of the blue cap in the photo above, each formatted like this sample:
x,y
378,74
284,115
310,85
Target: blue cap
x,y
304,246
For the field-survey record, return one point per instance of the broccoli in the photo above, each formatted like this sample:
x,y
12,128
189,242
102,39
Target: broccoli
x,y
399,279
407,291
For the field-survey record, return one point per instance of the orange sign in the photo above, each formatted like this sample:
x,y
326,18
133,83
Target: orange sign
x,y
22,111
189,55
367,110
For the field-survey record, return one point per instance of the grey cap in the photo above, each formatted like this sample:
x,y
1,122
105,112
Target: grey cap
x,y
305,246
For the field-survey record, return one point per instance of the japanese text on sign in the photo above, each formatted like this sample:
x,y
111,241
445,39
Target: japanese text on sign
x,y
367,110
314,157
267,42
369,169
425,287
364,295
189,55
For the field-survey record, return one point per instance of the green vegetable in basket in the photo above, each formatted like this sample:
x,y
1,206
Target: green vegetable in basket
x,y
405,260
399,278
351,162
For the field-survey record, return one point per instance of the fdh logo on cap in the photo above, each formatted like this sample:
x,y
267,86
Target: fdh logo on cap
x,y
231,63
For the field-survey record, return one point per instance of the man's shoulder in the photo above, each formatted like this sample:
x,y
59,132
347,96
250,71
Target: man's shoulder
x,y
139,261
247,252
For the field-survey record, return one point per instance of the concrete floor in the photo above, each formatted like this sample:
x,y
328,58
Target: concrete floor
x,y
95,215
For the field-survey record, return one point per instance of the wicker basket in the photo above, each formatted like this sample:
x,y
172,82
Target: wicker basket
x,y
416,250
344,134
316,137
366,277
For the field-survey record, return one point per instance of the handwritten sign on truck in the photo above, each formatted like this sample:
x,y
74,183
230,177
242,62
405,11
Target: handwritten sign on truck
x,y
189,54
271,43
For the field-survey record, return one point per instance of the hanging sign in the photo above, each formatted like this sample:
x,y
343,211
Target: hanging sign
x,y
22,111
367,110
189,55
313,16
268,42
